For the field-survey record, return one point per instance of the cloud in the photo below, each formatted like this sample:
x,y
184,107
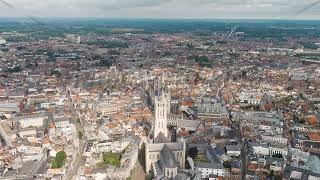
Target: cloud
x,y
117,4
166,8
309,6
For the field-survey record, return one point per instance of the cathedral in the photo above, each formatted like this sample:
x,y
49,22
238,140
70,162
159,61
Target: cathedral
x,y
163,157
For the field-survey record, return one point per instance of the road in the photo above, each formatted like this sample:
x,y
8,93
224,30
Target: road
x,y
72,171
77,163
238,128
218,95
224,78
244,157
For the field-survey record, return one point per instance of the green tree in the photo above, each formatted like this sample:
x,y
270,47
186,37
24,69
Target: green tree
x,y
203,61
51,56
15,69
80,135
227,164
54,164
287,100
113,52
190,46
290,88
271,175
59,160
150,175
105,63
197,77
309,45
142,156
56,72
193,152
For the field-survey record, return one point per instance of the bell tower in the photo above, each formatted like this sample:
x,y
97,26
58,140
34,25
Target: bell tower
x,y
162,109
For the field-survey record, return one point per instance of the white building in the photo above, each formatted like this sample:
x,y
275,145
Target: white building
x,y
7,133
36,120
274,139
103,133
212,111
61,122
73,38
251,97
233,150
298,155
27,132
110,146
180,122
265,150
208,169
8,108
109,105
2,41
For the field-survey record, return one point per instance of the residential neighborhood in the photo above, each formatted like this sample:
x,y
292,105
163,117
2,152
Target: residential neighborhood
x,y
129,104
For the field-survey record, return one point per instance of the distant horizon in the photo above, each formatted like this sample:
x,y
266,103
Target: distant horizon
x,y
156,18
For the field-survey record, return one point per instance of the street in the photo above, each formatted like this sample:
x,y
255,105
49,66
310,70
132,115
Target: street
x,y
82,142
238,128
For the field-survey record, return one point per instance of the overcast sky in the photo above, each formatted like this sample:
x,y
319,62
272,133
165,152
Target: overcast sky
x,y
204,9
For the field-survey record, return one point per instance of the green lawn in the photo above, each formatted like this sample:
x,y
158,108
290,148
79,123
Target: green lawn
x,y
112,158
201,159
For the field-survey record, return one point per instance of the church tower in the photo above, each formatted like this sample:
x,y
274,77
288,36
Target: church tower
x,y
161,153
162,109
168,99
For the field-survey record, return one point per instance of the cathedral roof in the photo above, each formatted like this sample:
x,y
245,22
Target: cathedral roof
x,y
159,168
157,147
166,158
161,138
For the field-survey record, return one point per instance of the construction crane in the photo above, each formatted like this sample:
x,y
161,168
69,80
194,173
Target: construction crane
x,y
233,30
